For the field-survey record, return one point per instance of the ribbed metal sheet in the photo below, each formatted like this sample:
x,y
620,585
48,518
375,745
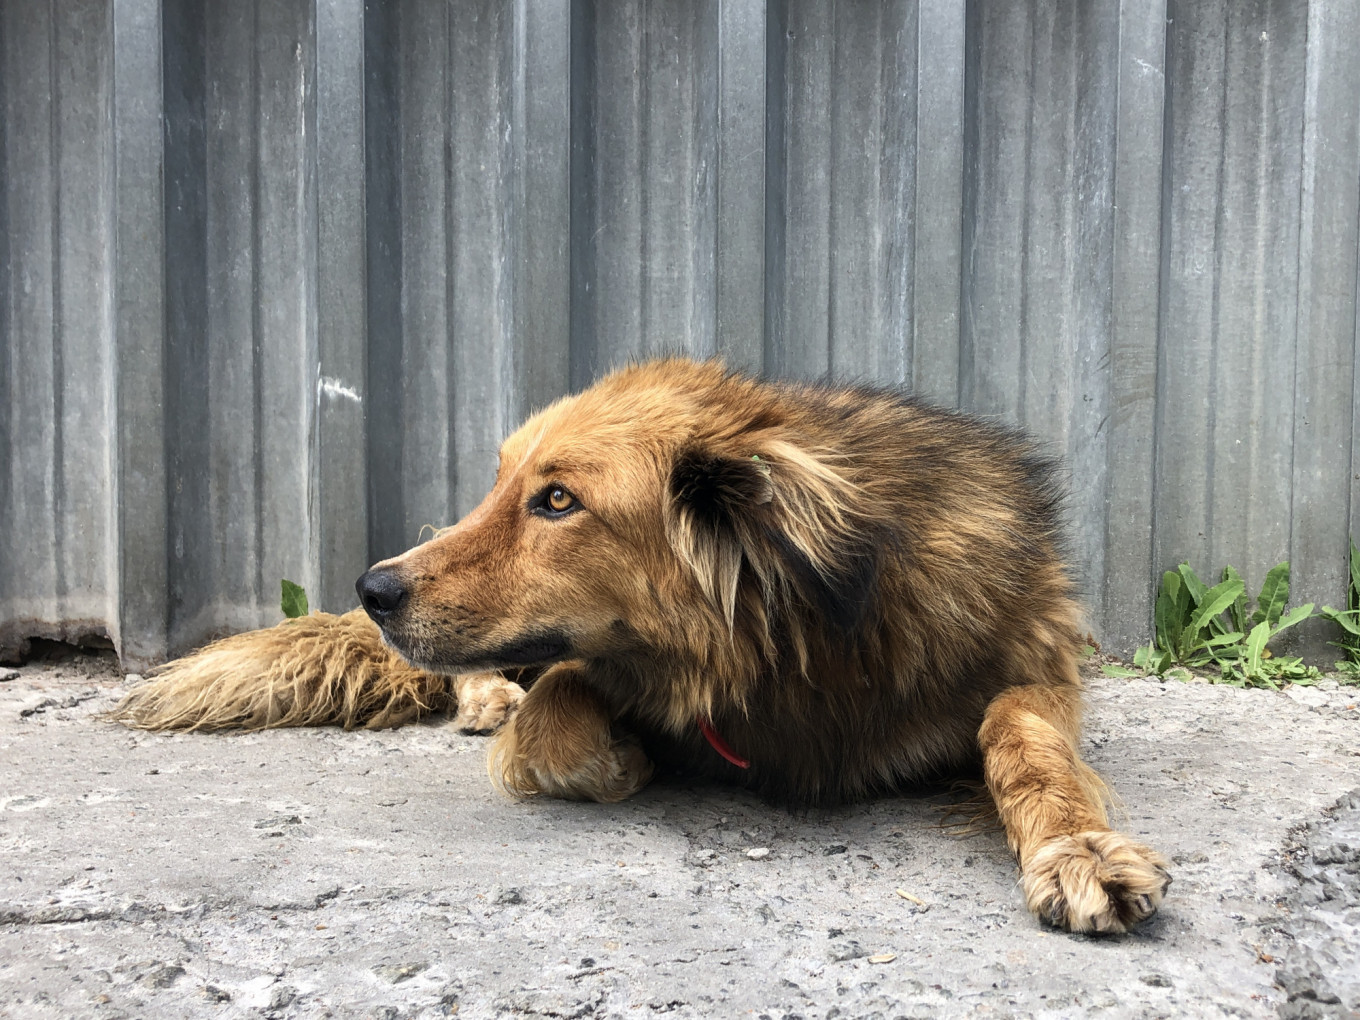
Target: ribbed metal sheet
x,y
277,277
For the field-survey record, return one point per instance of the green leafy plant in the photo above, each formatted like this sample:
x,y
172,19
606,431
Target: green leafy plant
x,y
1349,621
1189,621
1196,626
293,600
1254,663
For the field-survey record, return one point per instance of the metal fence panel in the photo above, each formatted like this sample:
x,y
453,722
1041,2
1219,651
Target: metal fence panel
x,y
278,276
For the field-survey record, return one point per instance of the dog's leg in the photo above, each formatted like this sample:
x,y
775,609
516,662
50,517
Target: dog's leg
x,y
312,671
560,743
1076,872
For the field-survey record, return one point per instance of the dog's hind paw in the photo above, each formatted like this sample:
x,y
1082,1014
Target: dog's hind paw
x,y
1097,882
485,702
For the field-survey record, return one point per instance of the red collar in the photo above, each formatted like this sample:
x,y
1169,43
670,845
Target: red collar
x,y
720,745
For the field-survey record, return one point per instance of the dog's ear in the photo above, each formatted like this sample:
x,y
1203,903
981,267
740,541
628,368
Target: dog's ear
x,y
709,519
790,519
716,490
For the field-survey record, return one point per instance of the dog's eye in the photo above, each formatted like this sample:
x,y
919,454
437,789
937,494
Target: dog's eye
x,y
554,501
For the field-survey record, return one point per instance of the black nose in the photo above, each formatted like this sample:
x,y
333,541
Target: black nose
x,y
381,593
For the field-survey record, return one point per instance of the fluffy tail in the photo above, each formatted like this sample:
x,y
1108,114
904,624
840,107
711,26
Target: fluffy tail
x,y
312,671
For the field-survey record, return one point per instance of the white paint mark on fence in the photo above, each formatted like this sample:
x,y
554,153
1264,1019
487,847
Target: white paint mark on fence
x,y
335,388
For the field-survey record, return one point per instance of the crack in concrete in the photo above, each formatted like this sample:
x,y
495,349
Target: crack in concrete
x,y
70,701
138,912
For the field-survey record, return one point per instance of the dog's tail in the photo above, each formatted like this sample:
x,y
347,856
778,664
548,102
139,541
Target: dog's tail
x,y
312,671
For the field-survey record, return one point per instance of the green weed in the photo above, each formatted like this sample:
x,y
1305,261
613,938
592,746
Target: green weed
x,y
1349,622
293,600
1198,627
1253,664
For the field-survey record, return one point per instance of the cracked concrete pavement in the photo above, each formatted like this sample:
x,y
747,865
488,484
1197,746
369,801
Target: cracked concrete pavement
x,y
312,873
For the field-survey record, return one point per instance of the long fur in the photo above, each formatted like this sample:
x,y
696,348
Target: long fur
x,y
857,591
312,671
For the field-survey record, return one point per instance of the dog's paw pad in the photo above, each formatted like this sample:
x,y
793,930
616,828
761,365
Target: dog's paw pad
x,y
1099,882
485,702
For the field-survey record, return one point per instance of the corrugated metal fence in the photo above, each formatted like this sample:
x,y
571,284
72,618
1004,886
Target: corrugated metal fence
x,y
279,275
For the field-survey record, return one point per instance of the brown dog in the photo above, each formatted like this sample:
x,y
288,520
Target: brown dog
x,y
819,593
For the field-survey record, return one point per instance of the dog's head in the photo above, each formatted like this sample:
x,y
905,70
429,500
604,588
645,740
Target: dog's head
x,y
667,511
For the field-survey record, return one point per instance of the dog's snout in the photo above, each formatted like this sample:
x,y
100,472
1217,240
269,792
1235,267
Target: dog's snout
x,y
381,593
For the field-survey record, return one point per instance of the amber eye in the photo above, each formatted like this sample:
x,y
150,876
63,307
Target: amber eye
x,y
553,502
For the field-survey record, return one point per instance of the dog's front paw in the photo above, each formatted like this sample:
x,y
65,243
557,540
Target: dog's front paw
x,y
485,702
1097,881
606,771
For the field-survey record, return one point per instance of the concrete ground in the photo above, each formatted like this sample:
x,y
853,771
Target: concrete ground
x,y
322,873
